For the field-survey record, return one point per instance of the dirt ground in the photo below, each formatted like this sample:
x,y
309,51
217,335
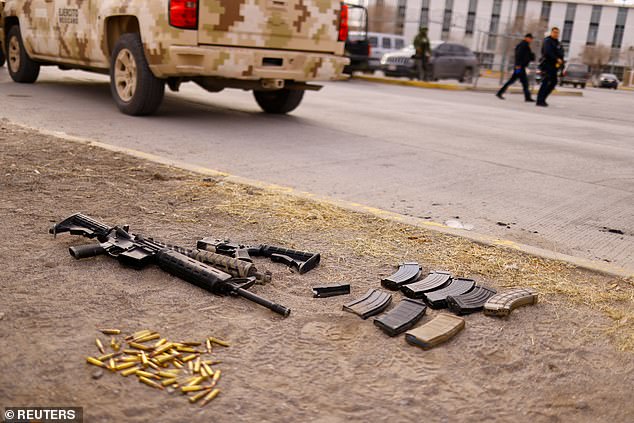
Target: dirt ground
x,y
567,358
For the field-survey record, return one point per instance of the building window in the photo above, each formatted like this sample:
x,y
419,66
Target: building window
x,y
593,29
545,14
473,5
446,20
424,14
619,28
400,15
571,10
495,22
521,9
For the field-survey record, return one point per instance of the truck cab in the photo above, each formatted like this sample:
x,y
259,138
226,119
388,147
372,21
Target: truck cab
x,y
273,47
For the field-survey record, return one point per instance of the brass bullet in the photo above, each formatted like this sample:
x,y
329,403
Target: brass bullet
x,y
153,365
212,362
150,383
210,396
204,373
208,369
161,349
214,380
188,357
111,364
139,346
195,381
139,334
142,373
132,352
177,363
186,349
129,372
100,346
197,365
191,344
96,362
168,373
199,395
131,359
208,342
124,366
165,358
193,388
111,355
110,331
218,341
160,342
114,344
168,381
150,337
144,359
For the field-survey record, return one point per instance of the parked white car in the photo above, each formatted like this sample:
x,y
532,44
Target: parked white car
x,y
380,44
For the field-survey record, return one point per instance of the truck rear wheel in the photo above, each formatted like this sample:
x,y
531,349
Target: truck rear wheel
x,y
134,87
1,58
279,101
21,68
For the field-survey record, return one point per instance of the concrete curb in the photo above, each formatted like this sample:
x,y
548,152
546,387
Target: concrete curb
x,y
452,87
592,265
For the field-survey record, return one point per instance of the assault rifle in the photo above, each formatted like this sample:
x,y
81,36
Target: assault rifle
x,y
137,251
301,261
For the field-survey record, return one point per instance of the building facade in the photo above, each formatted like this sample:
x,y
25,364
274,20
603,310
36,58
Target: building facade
x,y
492,27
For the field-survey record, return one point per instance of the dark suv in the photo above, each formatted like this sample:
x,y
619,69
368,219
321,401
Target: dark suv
x,y
448,61
576,75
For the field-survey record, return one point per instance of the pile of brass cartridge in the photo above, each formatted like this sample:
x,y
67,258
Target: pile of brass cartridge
x,y
159,363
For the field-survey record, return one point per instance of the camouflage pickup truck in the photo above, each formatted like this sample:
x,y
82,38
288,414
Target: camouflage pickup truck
x,y
273,47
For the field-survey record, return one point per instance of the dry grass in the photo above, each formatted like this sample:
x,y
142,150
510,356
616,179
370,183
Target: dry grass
x,y
286,216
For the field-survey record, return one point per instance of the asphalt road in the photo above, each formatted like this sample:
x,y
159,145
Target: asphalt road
x,y
560,178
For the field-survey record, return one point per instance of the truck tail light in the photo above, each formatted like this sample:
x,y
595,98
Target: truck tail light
x,y
183,14
343,22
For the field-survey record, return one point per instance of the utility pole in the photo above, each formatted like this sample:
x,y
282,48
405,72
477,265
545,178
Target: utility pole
x,y
506,45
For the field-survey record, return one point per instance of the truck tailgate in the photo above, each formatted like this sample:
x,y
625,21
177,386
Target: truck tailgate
x,y
307,25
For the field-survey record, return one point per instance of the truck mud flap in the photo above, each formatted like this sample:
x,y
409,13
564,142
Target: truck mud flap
x,y
373,302
502,304
470,302
407,272
457,286
433,281
442,328
402,317
325,291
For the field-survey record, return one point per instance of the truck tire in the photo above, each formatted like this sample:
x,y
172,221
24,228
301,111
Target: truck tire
x,y
21,68
279,101
135,89
1,58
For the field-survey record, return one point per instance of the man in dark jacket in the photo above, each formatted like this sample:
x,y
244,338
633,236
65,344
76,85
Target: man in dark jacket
x,y
523,56
552,60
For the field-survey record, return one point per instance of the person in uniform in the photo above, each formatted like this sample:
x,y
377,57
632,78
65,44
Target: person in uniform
x,y
523,56
552,60
423,51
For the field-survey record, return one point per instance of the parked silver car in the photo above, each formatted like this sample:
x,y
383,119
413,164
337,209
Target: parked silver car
x,y
448,61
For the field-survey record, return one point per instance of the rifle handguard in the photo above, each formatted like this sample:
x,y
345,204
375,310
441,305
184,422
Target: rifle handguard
x,y
191,270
